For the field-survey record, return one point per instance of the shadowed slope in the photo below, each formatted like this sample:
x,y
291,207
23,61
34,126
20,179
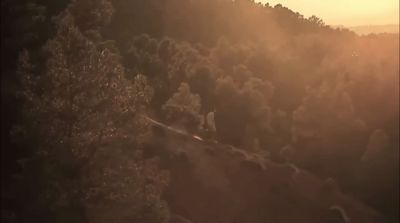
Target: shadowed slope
x,y
211,182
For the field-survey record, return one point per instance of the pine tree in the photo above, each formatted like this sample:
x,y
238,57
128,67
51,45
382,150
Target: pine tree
x,y
81,119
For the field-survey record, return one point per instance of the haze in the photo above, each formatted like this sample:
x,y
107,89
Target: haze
x,y
345,12
199,111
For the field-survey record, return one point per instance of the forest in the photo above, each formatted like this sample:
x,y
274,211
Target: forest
x,y
254,91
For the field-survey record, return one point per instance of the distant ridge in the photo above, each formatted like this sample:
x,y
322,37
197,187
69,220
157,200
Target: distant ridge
x,y
368,29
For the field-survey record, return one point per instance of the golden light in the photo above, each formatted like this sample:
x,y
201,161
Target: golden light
x,y
346,12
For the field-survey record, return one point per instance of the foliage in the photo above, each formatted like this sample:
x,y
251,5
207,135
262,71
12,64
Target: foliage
x,y
276,83
185,107
80,116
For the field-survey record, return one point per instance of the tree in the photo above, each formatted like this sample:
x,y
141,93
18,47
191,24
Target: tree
x,y
327,131
20,17
230,118
183,108
316,21
202,81
242,110
81,122
91,14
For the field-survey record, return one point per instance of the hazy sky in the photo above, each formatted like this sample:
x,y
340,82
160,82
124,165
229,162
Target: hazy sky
x,y
346,12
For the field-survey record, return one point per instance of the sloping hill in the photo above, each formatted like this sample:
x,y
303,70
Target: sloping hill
x,y
368,29
215,183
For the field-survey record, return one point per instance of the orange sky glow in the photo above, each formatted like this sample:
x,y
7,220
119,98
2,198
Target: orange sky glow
x,y
346,12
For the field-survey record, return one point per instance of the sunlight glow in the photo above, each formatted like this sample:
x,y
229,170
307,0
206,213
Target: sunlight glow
x,y
346,12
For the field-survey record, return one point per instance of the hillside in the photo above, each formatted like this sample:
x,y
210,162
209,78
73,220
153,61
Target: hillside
x,y
203,111
212,182
368,29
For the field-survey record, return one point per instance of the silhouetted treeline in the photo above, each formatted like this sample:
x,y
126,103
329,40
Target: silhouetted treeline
x,y
76,75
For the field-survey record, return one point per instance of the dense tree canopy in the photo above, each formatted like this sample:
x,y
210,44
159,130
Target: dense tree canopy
x,y
78,73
